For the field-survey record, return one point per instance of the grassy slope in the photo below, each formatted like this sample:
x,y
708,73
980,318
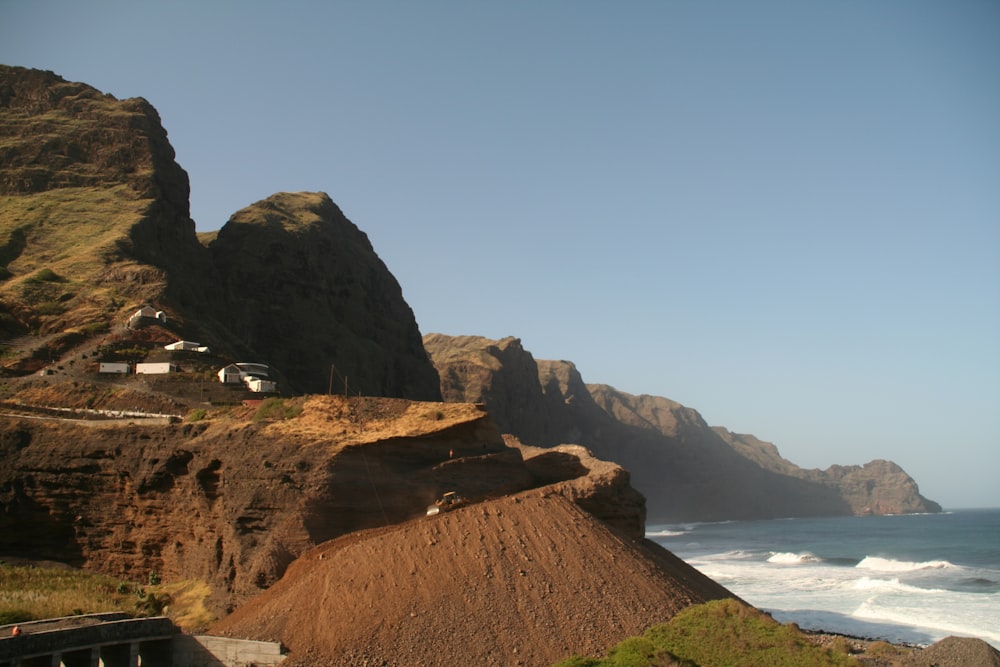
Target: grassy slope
x,y
30,593
722,633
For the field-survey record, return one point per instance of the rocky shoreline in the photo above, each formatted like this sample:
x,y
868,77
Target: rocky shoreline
x,y
948,652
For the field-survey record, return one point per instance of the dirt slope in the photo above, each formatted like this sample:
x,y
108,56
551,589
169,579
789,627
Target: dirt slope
x,y
522,580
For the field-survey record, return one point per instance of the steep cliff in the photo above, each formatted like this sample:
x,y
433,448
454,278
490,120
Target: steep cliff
x,y
93,208
877,487
686,470
94,223
234,499
307,292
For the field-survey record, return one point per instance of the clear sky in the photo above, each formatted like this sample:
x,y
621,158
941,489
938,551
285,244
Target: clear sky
x,y
784,214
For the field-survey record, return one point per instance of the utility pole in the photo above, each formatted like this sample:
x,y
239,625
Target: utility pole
x,y
329,389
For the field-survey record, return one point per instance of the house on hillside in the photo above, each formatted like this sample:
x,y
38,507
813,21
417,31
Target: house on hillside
x,y
189,345
254,376
260,385
230,374
158,368
145,314
114,367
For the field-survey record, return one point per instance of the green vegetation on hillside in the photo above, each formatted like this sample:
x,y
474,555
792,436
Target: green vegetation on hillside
x,y
277,408
721,633
30,593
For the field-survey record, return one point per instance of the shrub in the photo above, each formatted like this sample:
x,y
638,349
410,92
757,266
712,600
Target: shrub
x,y
632,652
721,633
46,276
197,415
94,328
50,308
276,408
579,661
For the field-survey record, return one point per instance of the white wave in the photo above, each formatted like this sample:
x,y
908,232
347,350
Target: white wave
x,y
891,565
666,533
786,558
951,614
737,554
890,585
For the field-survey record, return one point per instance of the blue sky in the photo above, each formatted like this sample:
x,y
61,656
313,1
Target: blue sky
x,y
785,215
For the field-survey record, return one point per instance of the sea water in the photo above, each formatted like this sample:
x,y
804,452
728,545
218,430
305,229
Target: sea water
x,y
910,579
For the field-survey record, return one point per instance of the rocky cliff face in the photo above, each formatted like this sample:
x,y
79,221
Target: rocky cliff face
x,y
94,223
877,487
233,500
307,292
686,470
94,207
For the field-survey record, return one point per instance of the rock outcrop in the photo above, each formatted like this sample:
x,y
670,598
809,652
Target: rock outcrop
x,y
93,208
95,223
686,470
233,500
307,292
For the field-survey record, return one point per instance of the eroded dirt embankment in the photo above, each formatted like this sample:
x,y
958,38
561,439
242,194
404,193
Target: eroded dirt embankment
x,y
521,580
233,501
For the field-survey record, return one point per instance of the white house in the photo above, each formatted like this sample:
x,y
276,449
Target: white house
x,y
186,345
261,386
230,374
254,376
155,368
147,312
114,367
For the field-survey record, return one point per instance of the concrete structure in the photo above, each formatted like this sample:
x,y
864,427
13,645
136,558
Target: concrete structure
x,y
115,640
114,367
260,385
189,345
156,368
257,370
144,314
208,651
230,374
253,375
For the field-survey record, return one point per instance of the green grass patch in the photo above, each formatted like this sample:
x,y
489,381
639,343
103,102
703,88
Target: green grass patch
x,y
46,276
721,633
277,408
29,593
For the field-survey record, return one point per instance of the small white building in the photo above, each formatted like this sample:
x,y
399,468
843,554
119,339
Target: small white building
x,y
157,368
186,345
260,385
230,374
147,312
114,367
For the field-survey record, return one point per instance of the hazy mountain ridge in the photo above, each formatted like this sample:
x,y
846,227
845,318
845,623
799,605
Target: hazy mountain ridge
x,y
686,469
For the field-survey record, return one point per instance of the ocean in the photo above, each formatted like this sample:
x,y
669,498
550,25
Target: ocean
x,y
910,579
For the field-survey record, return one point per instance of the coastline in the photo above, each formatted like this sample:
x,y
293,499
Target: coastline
x,y
909,580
